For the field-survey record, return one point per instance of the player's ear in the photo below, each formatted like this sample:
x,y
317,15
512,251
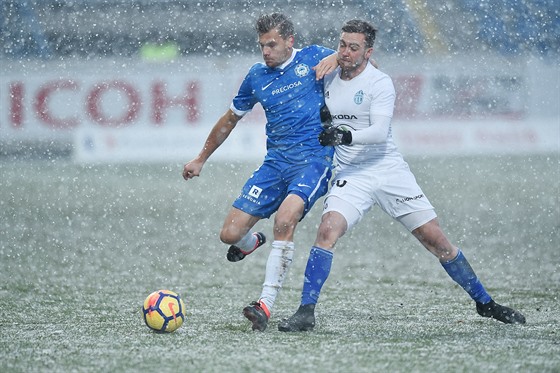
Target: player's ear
x,y
369,52
290,40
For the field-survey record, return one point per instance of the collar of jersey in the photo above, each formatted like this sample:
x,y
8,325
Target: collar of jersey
x,y
283,66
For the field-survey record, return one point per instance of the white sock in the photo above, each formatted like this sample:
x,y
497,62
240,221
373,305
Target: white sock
x,y
247,242
277,266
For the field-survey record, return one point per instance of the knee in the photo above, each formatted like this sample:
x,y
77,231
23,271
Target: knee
x,y
229,236
327,237
284,226
324,233
285,223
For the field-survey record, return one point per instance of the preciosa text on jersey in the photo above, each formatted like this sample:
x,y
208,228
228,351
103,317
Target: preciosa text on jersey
x,y
286,87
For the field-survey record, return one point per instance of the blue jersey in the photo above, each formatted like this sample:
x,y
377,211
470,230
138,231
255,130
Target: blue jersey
x,y
291,98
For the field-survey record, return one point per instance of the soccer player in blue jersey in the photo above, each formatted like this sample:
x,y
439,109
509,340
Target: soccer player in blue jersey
x,y
371,171
296,169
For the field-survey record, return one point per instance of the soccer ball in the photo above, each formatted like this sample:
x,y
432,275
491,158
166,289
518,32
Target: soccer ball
x,y
164,311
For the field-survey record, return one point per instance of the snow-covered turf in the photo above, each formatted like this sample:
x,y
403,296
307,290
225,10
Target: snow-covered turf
x,y
82,246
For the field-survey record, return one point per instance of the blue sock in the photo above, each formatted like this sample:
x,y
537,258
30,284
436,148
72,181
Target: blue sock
x,y
316,273
462,273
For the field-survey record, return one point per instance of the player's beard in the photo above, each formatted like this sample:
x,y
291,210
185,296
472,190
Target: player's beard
x,y
350,68
275,62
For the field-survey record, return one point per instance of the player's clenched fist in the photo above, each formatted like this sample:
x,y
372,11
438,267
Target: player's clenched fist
x,y
192,169
333,135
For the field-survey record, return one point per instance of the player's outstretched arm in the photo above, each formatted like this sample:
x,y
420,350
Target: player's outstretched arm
x,y
326,66
217,136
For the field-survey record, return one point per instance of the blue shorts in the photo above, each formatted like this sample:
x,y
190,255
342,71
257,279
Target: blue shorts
x,y
269,185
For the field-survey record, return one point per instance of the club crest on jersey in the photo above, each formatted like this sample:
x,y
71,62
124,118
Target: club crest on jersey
x,y
359,97
302,70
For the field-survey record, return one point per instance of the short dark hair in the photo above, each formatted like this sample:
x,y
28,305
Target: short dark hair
x,y
267,22
361,27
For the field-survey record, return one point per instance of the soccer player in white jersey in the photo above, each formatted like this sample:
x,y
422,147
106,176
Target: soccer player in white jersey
x,y
296,168
369,171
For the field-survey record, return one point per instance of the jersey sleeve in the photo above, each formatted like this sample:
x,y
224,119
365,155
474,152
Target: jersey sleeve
x,y
383,102
321,52
376,133
380,113
326,51
245,99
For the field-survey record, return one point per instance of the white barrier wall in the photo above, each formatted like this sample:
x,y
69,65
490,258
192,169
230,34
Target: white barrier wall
x,y
119,110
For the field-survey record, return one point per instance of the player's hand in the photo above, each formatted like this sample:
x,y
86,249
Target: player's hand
x,y
333,136
192,169
326,66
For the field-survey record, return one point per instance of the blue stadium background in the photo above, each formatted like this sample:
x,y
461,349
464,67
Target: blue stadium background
x,y
62,29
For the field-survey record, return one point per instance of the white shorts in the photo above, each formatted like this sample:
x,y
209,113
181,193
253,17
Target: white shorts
x,y
355,191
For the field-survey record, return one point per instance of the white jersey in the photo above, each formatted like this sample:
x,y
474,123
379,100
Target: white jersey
x,y
371,171
353,103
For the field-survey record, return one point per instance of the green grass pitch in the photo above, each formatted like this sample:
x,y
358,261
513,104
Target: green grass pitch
x,y
81,246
